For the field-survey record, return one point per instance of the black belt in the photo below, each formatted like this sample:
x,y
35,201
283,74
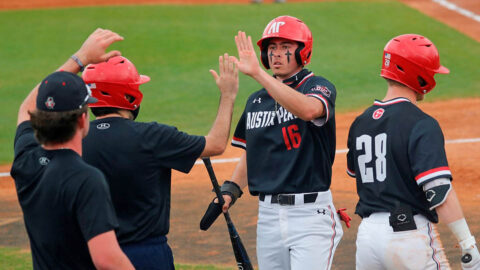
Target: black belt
x,y
289,199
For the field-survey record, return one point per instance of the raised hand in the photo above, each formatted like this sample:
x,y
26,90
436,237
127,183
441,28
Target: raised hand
x,y
247,62
227,81
94,48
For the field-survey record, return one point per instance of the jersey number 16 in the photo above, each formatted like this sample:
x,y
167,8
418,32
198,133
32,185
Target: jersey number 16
x,y
364,142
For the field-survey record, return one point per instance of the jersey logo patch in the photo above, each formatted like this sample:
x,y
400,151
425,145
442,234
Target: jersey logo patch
x,y
322,89
103,126
378,113
43,161
259,100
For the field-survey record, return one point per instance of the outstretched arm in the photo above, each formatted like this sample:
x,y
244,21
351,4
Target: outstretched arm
x,y
227,82
239,177
450,213
304,107
92,51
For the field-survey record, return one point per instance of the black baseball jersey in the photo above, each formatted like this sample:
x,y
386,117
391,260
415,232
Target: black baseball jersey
x,y
284,153
394,149
137,159
65,203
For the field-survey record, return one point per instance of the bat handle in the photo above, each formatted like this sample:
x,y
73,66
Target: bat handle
x,y
213,178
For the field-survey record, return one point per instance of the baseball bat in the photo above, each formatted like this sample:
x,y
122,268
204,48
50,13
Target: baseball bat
x,y
241,256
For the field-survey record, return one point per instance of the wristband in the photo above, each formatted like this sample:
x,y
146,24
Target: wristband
x,y
461,231
79,63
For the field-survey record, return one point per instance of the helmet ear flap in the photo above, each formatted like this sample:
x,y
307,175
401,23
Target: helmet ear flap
x,y
264,58
264,54
298,57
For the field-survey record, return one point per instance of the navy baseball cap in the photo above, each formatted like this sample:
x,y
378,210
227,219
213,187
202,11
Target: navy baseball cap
x,y
63,91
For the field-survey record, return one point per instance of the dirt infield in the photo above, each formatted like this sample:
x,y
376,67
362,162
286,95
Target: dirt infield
x,y
191,193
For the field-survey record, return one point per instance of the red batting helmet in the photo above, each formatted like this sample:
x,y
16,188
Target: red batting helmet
x,y
291,28
115,83
412,60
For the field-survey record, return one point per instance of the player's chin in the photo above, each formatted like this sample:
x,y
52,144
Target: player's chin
x,y
278,71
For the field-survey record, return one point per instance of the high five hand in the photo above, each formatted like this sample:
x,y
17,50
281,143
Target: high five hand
x,y
94,48
247,62
227,81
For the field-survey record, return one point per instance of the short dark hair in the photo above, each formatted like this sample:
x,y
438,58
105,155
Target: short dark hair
x,y
101,111
55,127
393,83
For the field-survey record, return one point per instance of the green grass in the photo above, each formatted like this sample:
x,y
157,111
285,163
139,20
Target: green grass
x,y
177,45
16,259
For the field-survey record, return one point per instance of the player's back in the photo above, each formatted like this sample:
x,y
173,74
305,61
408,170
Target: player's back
x,y
388,145
137,159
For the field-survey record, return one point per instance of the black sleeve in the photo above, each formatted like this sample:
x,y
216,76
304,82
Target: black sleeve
x,y
173,148
324,91
239,138
24,138
351,150
426,150
93,206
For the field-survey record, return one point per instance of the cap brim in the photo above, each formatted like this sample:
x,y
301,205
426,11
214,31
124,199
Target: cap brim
x,y
442,70
143,79
91,100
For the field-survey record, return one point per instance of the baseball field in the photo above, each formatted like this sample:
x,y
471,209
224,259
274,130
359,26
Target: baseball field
x,y
176,43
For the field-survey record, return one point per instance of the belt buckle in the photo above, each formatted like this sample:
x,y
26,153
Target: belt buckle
x,y
284,199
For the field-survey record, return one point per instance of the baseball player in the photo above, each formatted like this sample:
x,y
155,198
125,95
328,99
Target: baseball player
x,y
137,158
288,132
396,153
66,203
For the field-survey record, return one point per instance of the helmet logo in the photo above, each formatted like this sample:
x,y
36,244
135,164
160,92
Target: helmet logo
x,y
275,27
378,113
387,59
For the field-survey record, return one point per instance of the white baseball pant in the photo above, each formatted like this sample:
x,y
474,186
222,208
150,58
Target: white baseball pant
x,y
379,247
297,237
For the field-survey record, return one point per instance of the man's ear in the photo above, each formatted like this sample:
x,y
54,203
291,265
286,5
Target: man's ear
x,y
83,120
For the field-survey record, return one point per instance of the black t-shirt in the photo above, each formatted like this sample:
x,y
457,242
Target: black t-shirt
x,y
394,149
137,159
284,153
65,203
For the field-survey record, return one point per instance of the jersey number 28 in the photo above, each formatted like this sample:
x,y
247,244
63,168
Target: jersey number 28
x,y
364,142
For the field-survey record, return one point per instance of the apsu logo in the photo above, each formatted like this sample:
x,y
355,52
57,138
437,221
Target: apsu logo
x,y
50,103
378,113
